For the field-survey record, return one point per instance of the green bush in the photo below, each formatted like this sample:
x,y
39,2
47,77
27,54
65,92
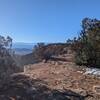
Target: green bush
x,y
87,46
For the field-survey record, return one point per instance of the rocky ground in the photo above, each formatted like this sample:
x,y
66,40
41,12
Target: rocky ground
x,y
54,80
66,76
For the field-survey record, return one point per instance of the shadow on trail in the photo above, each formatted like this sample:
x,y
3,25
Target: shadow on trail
x,y
21,87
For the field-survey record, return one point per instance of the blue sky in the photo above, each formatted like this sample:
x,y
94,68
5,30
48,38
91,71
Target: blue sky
x,y
45,20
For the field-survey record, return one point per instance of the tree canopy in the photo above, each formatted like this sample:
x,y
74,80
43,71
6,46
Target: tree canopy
x,y
87,46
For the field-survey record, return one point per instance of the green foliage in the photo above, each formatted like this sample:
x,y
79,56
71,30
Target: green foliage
x,y
87,46
7,64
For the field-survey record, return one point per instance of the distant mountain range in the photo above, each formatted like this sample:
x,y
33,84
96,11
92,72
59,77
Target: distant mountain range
x,y
23,48
23,45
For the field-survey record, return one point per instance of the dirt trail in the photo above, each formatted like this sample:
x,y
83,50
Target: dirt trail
x,y
62,75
